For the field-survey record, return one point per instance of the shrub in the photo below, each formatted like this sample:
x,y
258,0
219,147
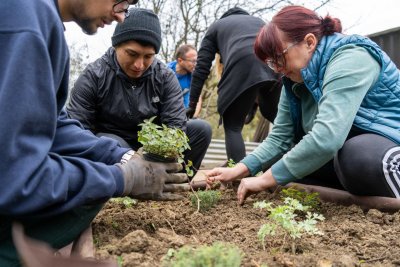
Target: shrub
x,y
284,220
306,199
126,202
162,140
205,200
165,143
231,163
217,255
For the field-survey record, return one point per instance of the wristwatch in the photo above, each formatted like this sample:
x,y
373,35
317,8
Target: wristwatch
x,y
127,156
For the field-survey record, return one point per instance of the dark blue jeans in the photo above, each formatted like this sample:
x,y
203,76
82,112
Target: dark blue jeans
x,y
57,231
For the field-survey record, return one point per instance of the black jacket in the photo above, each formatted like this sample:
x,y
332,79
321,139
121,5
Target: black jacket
x,y
233,37
105,100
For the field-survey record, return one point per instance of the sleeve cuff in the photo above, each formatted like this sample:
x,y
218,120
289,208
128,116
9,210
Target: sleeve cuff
x,y
281,173
253,164
119,181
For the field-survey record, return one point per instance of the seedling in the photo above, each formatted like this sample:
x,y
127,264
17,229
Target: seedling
x,y
161,143
205,200
307,199
231,163
218,254
126,202
120,261
285,221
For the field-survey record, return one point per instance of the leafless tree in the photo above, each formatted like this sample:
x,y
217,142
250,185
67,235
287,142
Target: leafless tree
x,y
186,21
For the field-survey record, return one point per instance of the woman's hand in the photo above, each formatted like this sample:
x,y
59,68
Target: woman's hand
x,y
253,185
227,174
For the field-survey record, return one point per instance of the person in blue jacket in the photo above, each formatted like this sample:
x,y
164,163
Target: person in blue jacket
x,y
54,174
338,121
183,66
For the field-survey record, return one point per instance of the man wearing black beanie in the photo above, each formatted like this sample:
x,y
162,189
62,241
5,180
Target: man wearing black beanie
x,y
128,84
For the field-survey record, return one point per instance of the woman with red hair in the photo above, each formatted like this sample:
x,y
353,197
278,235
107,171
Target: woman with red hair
x,y
338,121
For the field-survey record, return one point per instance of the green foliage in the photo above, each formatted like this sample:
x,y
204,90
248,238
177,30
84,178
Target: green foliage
x,y
231,163
307,199
284,219
162,140
218,255
126,202
208,199
120,261
189,168
168,143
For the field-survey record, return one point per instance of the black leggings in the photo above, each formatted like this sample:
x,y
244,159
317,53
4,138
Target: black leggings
x,y
367,164
233,121
234,116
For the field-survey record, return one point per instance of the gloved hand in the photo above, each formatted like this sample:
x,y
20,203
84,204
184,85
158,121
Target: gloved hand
x,y
191,109
151,180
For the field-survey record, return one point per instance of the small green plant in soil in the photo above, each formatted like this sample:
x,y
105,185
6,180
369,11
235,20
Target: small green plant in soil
x,y
205,200
217,255
231,163
285,221
164,142
120,261
126,202
306,199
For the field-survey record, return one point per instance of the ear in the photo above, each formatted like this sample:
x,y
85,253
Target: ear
x,y
311,41
179,60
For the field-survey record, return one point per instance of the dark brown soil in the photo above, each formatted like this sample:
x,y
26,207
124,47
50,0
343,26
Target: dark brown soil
x,y
142,234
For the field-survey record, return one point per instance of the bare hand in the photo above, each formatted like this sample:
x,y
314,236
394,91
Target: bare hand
x,y
220,175
253,185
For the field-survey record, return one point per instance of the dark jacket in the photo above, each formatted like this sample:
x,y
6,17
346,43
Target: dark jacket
x,y
49,164
233,37
105,100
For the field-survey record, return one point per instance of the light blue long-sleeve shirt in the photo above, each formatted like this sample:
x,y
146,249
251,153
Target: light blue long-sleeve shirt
x,y
350,73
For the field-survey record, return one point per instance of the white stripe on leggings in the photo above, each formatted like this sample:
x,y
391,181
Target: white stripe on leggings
x,y
391,169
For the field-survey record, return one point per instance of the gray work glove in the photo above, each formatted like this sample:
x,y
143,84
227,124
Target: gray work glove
x,y
151,180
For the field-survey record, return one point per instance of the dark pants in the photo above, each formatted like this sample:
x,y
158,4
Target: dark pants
x,y
57,231
199,133
234,116
367,164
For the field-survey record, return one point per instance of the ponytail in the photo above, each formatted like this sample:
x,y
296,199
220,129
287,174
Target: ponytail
x,y
330,25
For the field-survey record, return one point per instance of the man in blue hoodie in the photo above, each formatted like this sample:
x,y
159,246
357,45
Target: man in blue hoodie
x,y
54,174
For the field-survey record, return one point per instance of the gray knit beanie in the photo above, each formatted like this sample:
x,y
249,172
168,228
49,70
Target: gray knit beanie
x,y
141,25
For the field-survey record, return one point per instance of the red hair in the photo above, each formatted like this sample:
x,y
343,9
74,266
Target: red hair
x,y
295,22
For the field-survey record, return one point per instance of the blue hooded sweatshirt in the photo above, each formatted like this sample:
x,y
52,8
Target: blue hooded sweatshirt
x,y
49,164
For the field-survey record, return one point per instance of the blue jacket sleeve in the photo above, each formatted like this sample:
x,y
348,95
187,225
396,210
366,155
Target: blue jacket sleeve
x,y
46,164
71,139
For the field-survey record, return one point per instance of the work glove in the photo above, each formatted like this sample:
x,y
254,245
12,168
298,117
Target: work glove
x,y
191,109
153,180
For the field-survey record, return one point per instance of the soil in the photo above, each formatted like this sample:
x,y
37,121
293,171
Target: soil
x,y
142,234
